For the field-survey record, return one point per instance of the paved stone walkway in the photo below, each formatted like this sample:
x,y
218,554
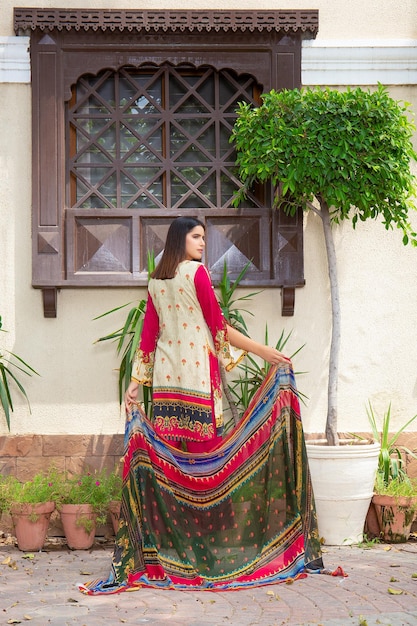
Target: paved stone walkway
x,y
381,588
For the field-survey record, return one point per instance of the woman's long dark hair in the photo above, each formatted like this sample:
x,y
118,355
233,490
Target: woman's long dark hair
x,y
174,251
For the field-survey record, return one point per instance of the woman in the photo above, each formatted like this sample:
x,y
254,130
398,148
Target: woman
x,y
201,510
184,338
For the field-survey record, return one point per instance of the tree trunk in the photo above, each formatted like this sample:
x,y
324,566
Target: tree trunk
x,y
331,421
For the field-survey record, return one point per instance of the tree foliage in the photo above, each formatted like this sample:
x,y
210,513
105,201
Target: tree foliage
x,y
350,148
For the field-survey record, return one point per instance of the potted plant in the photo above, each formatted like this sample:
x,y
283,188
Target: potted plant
x,y
341,154
30,505
83,503
10,365
394,502
395,506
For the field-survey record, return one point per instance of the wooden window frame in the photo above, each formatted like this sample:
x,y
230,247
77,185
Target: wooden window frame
x,y
66,44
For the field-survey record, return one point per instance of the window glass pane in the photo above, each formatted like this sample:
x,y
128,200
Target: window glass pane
x,y
141,188
108,140
91,154
148,98
193,174
95,96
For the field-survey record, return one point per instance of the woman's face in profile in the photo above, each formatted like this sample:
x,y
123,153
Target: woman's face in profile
x,y
195,244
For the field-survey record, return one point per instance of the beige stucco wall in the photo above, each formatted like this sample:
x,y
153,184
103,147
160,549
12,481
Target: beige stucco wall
x,y
77,389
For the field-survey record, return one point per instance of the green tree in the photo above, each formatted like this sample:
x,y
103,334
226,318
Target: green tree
x,y
343,155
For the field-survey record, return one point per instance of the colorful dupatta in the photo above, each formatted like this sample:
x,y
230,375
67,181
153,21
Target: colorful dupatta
x,y
238,516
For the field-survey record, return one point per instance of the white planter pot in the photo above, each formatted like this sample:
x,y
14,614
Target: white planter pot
x,y
343,479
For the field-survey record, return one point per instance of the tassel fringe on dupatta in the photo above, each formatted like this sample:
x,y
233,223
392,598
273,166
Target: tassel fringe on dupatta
x,y
239,516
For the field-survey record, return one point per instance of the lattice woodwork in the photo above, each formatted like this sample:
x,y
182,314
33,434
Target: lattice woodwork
x,y
163,141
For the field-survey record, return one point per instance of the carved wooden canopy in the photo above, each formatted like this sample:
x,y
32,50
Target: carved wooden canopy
x,y
27,19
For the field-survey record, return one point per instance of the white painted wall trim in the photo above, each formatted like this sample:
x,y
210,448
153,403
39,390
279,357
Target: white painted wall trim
x,y
14,60
359,62
324,62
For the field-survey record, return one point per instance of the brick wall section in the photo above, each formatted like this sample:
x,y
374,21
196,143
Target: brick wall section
x,y
26,455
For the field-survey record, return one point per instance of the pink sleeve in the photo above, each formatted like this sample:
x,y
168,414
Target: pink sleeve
x,y
150,330
209,305
142,369
215,319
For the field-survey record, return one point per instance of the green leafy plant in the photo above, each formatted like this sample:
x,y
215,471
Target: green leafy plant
x,y
401,486
127,338
253,373
43,487
10,365
341,154
368,543
94,488
240,391
391,469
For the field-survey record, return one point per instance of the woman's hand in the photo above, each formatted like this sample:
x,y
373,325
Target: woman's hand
x,y
131,394
268,354
273,356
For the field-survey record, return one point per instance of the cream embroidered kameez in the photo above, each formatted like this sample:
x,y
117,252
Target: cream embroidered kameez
x,y
183,339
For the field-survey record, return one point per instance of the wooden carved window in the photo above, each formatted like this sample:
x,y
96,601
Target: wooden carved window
x,y
132,114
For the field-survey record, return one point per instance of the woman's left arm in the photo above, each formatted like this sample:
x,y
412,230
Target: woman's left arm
x,y
267,353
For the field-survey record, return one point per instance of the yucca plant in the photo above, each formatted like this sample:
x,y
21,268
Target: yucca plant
x,y
228,300
127,338
253,373
10,365
390,462
239,392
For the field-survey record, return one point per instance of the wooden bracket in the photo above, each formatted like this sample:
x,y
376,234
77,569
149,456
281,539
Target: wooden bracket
x,y
288,301
49,296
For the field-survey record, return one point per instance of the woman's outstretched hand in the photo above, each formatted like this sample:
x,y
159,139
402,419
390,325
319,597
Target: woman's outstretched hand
x,y
273,356
268,354
131,395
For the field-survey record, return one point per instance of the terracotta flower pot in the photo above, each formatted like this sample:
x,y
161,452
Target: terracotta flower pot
x,y
31,523
371,522
114,509
79,524
395,516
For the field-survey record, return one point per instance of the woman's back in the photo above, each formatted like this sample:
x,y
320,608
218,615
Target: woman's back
x,y
185,367
181,320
